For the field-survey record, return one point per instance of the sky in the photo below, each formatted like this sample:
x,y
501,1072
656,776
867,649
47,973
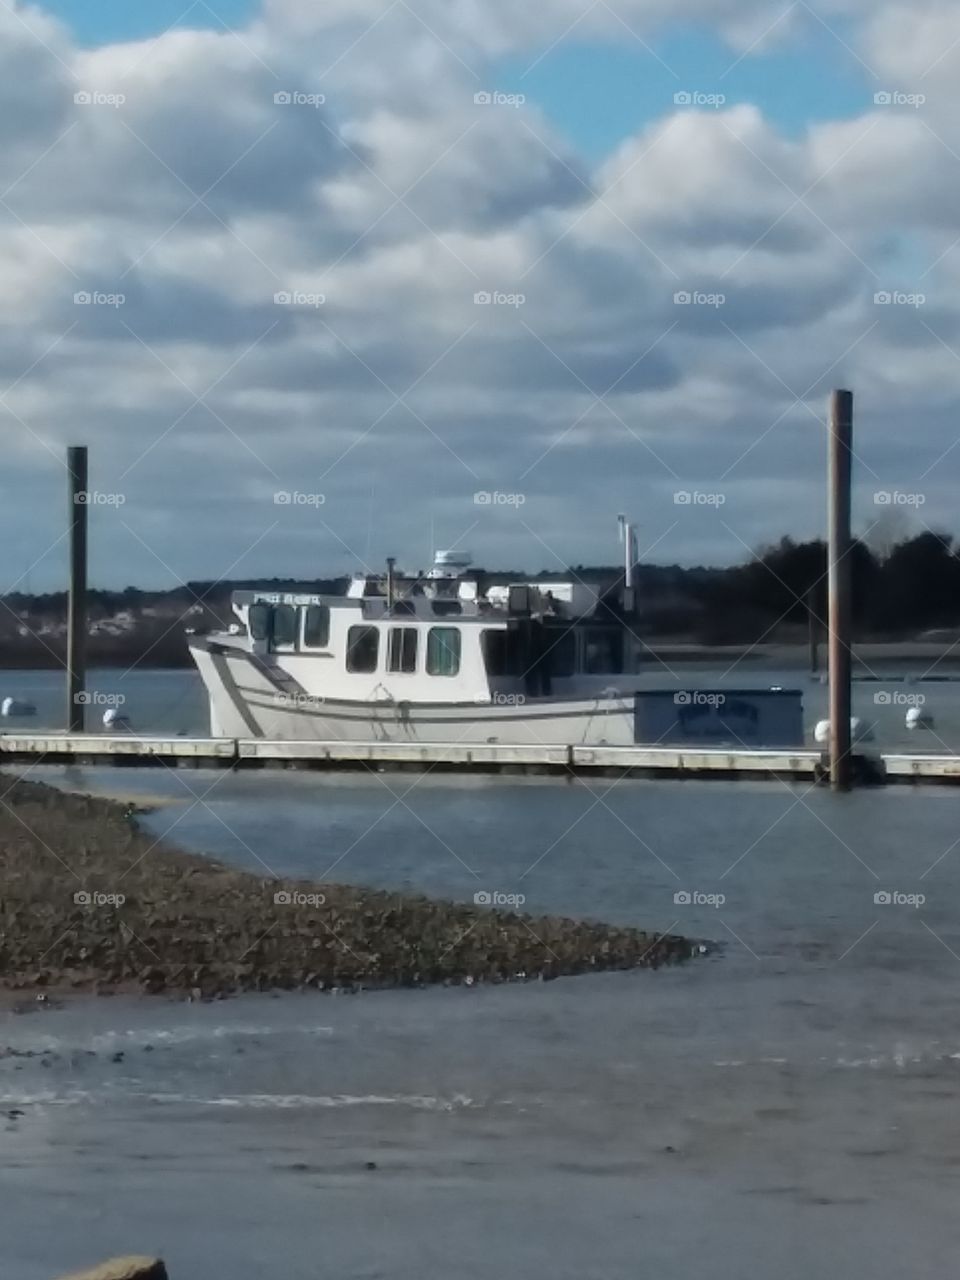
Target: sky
x,y
319,284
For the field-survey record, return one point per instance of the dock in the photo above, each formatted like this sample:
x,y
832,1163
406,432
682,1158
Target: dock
x,y
722,763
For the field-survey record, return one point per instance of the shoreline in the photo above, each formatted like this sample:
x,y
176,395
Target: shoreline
x,y
790,653
90,904
796,656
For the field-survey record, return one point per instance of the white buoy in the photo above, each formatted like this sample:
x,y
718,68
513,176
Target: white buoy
x,y
112,719
859,731
12,707
919,718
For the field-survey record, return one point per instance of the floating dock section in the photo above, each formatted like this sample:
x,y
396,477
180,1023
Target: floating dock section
x,y
132,750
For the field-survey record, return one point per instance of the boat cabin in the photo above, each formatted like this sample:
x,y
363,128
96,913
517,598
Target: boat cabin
x,y
447,641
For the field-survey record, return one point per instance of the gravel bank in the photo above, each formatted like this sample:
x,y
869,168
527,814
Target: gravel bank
x,y
88,902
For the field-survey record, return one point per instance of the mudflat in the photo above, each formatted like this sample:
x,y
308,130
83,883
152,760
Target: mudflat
x,y
89,902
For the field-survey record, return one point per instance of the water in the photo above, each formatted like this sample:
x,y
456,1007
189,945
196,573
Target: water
x,y
164,702
784,1106
174,702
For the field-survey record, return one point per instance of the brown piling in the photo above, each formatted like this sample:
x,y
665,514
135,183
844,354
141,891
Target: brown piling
x,y
839,612
77,495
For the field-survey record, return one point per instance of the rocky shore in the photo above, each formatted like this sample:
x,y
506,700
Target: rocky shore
x,y
88,902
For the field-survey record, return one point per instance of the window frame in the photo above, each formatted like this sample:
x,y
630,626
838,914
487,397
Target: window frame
x,y
403,634
311,644
351,647
284,646
509,666
260,633
428,666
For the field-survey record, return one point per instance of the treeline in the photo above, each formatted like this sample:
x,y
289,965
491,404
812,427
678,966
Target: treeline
x,y
127,628
897,593
900,591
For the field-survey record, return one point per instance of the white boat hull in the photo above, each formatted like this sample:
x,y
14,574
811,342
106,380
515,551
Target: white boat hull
x,y
246,702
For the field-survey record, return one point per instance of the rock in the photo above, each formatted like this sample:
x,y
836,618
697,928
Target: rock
x,y
123,1269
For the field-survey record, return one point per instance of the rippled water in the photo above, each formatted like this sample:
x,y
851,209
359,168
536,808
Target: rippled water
x,y
784,1106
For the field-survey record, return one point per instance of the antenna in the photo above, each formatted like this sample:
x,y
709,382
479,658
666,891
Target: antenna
x,y
629,541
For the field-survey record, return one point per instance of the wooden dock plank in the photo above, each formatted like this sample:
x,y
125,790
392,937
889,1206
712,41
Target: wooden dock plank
x,y
132,749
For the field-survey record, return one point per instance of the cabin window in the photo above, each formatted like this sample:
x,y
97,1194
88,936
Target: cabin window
x,y
402,650
499,653
258,621
363,645
284,626
447,608
316,627
443,651
561,652
602,653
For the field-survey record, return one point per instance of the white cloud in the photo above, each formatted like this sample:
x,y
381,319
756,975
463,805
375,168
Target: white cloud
x,y
198,198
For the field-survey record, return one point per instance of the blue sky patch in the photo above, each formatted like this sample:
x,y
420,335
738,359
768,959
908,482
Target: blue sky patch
x,y
598,94
96,22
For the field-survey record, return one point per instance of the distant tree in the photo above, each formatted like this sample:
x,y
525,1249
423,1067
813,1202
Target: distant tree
x,y
920,585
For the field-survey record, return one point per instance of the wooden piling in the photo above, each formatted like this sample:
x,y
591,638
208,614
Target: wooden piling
x,y
839,612
77,495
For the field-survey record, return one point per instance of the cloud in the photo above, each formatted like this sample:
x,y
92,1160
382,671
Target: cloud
x,y
311,256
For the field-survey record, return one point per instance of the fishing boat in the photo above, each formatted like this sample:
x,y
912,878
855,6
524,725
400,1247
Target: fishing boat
x,y
448,656
461,656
